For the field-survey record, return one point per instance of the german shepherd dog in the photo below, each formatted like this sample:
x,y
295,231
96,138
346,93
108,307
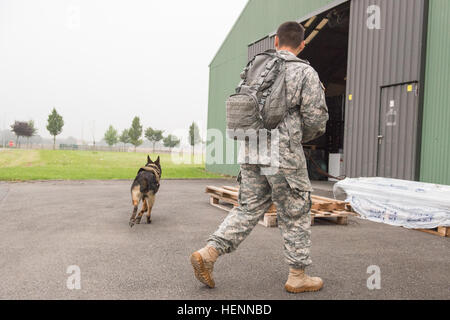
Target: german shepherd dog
x,y
144,187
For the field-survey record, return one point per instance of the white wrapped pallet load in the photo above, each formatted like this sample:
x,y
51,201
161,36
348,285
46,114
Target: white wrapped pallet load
x,y
410,204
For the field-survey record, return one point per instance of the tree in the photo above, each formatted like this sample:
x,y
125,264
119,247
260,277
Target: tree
x,y
153,136
22,129
55,124
135,133
124,137
111,137
32,130
194,136
171,141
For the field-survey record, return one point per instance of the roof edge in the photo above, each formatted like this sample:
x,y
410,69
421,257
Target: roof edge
x,y
229,32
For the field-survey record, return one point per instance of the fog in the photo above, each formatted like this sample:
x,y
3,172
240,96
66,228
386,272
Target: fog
x,y
102,62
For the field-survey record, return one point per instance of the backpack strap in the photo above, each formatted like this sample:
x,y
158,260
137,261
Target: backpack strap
x,y
262,78
243,74
277,64
154,169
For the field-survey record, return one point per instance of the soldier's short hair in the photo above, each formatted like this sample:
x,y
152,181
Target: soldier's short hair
x,y
291,34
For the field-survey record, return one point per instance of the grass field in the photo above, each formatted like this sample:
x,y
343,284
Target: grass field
x,y
19,165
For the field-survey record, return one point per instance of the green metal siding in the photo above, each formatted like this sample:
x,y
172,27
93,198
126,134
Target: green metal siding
x,y
435,155
258,19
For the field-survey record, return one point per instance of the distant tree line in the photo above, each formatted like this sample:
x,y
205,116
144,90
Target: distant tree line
x,y
132,135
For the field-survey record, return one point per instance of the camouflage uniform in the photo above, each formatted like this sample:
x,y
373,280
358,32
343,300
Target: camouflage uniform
x,y
289,188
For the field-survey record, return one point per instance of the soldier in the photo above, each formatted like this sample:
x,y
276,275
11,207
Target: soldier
x,y
289,188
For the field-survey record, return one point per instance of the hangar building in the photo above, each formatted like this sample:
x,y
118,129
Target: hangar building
x,y
385,64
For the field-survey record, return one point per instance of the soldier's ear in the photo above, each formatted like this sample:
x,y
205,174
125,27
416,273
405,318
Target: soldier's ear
x,y
302,46
276,42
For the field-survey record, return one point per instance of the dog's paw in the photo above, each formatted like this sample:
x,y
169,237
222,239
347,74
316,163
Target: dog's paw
x,y
149,221
131,223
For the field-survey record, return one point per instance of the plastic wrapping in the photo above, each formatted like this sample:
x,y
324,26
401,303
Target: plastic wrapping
x,y
403,203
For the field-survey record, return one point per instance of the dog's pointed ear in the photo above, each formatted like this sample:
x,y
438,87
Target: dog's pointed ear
x,y
157,161
148,159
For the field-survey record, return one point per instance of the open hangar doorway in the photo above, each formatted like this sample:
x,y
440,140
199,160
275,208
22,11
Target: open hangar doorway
x,y
374,79
326,37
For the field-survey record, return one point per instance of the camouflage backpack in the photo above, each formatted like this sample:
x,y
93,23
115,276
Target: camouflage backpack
x,y
260,99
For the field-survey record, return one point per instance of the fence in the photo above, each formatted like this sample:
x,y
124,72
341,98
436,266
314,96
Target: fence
x,y
117,148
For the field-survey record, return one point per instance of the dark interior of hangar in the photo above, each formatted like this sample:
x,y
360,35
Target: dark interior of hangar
x,y
326,37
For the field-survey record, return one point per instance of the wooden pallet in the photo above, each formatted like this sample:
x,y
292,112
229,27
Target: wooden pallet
x,y
221,194
439,231
226,198
341,217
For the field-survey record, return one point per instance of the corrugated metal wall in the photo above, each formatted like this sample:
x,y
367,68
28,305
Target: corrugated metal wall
x,y
261,46
435,155
259,18
388,56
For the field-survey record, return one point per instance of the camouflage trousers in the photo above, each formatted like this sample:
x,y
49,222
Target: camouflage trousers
x,y
256,194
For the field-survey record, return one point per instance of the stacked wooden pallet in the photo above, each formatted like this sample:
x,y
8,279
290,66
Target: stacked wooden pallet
x,y
226,198
439,231
329,208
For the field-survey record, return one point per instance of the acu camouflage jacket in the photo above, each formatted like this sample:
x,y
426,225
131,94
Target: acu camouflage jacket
x,y
306,120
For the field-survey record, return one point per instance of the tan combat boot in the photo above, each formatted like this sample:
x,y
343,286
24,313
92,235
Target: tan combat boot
x,y
203,263
298,282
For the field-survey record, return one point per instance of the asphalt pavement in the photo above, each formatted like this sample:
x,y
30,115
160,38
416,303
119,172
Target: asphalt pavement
x,y
46,227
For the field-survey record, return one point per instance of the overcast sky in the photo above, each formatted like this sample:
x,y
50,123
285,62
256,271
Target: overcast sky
x,y
108,61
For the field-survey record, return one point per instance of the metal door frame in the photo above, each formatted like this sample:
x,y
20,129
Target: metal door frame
x,y
418,129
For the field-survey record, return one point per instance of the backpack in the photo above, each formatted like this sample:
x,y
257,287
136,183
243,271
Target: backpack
x,y
260,100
